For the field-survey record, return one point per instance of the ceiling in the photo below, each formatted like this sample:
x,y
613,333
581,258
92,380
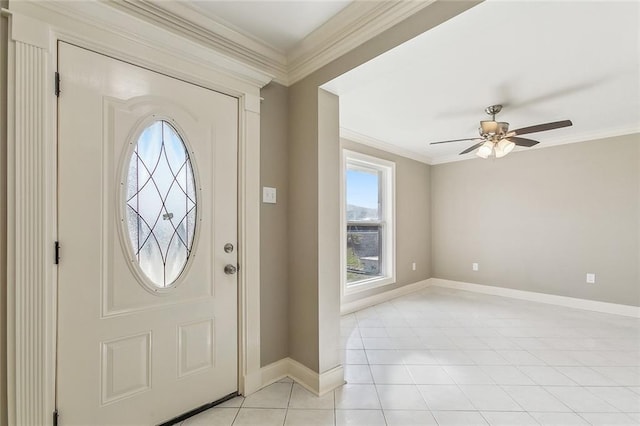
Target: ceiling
x,y
281,24
544,61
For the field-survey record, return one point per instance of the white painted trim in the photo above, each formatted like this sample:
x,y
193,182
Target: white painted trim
x,y
376,299
249,242
365,285
275,371
388,190
31,112
189,21
304,376
586,137
31,218
357,23
551,299
29,31
318,384
343,220
360,138
84,20
330,380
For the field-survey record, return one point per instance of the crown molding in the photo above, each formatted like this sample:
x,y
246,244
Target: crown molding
x,y
189,22
357,23
101,16
383,146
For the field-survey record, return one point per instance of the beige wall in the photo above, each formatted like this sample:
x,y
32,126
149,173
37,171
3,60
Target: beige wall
x,y
274,252
413,221
303,225
539,220
303,176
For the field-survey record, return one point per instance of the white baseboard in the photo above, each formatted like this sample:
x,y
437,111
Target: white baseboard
x,y
319,384
570,302
376,299
330,380
304,376
273,372
251,383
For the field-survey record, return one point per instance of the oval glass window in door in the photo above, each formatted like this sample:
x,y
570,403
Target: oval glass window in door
x,y
161,204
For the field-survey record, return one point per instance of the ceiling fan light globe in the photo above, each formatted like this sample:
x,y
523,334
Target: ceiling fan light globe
x,y
504,147
485,150
509,147
482,154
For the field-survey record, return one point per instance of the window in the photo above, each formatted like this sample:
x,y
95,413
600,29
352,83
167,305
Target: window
x,y
368,218
160,204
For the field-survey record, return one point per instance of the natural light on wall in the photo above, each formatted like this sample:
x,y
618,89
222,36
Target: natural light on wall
x,y
368,222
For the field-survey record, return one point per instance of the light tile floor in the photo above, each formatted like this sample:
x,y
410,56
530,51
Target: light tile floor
x,y
446,357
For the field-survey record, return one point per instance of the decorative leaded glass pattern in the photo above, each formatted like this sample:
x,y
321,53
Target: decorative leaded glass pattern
x,y
161,203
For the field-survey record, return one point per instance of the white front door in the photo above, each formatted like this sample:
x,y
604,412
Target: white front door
x,y
147,222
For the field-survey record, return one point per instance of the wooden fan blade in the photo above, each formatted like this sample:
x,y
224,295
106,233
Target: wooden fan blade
x,y
471,148
541,127
454,140
523,141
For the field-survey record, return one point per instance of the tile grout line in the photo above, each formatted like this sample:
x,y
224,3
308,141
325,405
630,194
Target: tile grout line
x,y
238,412
375,386
286,412
335,408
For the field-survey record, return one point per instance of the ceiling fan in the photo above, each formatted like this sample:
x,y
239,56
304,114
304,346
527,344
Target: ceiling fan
x,y
496,138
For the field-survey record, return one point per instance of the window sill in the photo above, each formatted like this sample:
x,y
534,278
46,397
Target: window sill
x,y
369,284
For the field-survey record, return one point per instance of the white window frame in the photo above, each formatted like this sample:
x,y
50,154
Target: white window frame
x,y
387,170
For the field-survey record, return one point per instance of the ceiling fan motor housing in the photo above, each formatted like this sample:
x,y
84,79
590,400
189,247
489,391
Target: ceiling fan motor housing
x,y
493,130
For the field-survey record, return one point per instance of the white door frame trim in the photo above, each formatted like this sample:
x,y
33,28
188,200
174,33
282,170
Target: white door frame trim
x,y
34,31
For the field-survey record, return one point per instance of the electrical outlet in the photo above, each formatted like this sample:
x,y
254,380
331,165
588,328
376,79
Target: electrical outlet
x,y
591,278
413,266
475,266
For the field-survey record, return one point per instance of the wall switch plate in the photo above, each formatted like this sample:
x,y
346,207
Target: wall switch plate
x,y
413,266
591,278
475,266
268,195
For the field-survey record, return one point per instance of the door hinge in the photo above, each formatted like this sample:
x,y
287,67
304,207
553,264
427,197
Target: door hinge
x,y
56,84
55,417
56,252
